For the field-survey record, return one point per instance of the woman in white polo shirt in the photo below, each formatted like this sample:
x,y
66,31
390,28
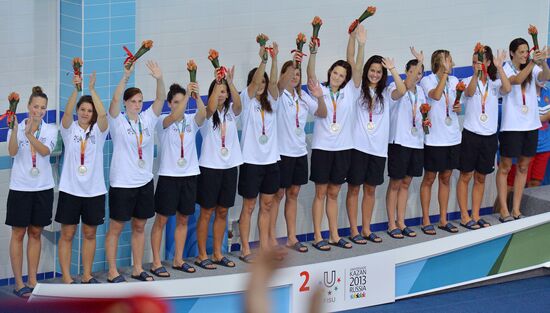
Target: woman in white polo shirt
x,y
520,121
82,185
332,140
479,136
179,167
259,174
293,109
442,145
30,199
131,192
220,157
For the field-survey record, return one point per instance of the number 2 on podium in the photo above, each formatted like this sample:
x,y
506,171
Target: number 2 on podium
x,y
304,287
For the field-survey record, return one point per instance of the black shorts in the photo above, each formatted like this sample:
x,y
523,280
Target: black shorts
x,y
404,161
366,169
254,179
477,152
26,208
138,202
176,194
329,166
438,159
70,208
217,187
293,171
514,144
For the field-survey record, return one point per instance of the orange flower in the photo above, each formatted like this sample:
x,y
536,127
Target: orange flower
x,y
460,86
147,44
425,108
301,38
191,65
262,39
213,54
317,21
371,10
479,48
77,62
13,96
532,30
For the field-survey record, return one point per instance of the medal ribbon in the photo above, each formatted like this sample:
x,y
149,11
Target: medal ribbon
x,y
33,151
297,112
223,130
83,143
483,95
414,106
138,139
262,113
182,136
334,105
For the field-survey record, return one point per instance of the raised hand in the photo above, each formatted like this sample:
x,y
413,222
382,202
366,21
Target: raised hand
x,y
388,63
313,47
128,72
77,81
499,59
274,50
418,55
193,88
229,75
447,65
91,84
360,34
32,125
155,69
314,88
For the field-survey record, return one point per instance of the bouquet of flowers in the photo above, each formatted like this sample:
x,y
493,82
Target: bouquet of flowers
x,y
368,13
298,54
426,123
213,56
13,98
316,23
192,68
534,33
460,87
480,50
77,65
132,58
262,40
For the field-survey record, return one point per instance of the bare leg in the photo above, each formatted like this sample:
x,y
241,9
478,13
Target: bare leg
x,y
64,251
202,232
274,213
426,195
502,188
367,206
291,207
352,203
391,201
156,239
88,250
402,197
462,195
111,244
266,204
138,245
519,183
244,224
180,235
317,208
444,179
34,246
16,254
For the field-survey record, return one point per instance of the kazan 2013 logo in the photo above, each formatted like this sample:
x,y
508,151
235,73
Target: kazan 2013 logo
x,y
358,282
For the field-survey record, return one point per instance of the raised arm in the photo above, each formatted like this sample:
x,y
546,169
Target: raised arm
x,y
114,108
499,62
286,77
437,92
30,129
472,85
235,97
400,88
98,104
200,115
410,80
540,60
67,119
177,112
518,78
13,145
161,92
317,92
273,74
258,75
359,34
313,48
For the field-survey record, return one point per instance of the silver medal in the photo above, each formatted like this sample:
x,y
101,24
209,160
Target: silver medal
x,y
82,170
448,121
414,131
35,172
224,151
524,109
370,125
335,128
483,117
263,139
181,162
141,163
298,131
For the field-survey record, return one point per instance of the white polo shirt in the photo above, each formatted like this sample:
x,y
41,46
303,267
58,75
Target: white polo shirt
x,y
372,141
21,178
169,148
441,134
92,182
513,119
401,118
472,121
253,151
211,156
292,110
125,171
323,138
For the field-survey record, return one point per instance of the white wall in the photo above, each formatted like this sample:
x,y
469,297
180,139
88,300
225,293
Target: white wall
x,y
183,30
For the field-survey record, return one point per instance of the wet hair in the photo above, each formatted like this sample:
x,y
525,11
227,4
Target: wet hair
x,y
438,57
285,67
411,63
343,64
514,45
380,86
130,92
216,117
88,99
264,102
491,69
37,92
174,90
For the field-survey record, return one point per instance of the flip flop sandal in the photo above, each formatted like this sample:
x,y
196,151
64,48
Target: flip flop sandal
x,y
506,219
374,238
483,223
159,271
358,239
249,258
143,276
341,243
320,245
299,247
91,281
408,232
396,233
472,225
448,228
428,230
205,264
224,262
116,280
519,217
184,267
22,293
